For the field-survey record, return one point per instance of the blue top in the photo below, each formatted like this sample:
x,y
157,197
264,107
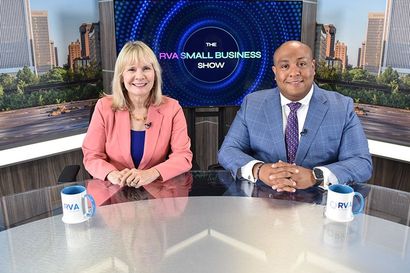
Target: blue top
x,y
137,146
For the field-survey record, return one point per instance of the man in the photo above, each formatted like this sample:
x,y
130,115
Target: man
x,y
297,135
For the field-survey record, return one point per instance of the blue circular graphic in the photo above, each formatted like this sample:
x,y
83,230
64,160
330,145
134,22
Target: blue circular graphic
x,y
174,27
210,54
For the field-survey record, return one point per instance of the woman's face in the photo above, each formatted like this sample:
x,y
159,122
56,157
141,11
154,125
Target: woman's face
x,y
139,78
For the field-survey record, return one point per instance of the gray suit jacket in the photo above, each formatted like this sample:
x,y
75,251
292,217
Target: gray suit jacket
x,y
334,136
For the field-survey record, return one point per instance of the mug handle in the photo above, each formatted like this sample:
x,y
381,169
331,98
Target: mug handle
x,y
361,202
92,201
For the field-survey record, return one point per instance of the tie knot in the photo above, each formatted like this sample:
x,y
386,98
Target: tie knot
x,y
294,106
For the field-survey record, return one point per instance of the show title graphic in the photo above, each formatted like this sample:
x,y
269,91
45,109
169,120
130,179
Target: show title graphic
x,y
210,49
216,55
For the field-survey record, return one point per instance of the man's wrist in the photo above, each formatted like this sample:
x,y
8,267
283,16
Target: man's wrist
x,y
318,176
256,170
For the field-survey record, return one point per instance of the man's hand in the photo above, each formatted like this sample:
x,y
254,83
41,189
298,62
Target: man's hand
x,y
277,175
304,178
282,176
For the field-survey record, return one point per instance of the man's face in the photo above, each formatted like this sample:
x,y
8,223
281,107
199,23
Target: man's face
x,y
294,70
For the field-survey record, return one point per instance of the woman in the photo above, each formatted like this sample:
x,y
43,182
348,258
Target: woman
x,y
137,135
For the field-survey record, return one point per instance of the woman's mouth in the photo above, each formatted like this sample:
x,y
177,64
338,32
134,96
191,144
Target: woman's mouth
x,y
139,84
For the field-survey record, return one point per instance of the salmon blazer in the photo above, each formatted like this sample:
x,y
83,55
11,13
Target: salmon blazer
x,y
107,144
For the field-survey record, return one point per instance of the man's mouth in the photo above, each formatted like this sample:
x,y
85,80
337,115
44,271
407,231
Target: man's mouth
x,y
294,81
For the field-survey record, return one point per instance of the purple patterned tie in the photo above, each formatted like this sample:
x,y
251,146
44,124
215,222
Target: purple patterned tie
x,y
292,132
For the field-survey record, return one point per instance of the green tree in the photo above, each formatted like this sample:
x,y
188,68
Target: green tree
x,y
20,86
27,76
69,76
7,81
359,75
395,86
406,81
388,76
346,75
326,73
1,91
57,74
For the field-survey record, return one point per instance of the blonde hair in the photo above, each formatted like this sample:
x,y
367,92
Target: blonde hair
x,y
131,53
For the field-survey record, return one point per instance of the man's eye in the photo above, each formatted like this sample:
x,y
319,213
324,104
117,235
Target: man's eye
x,y
284,66
302,64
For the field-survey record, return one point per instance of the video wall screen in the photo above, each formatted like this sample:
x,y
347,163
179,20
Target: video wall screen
x,y
212,53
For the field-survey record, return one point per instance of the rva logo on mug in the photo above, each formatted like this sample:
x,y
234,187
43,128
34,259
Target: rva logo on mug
x,y
71,206
75,201
340,205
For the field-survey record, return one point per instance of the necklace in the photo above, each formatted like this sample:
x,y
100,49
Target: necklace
x,y
138,118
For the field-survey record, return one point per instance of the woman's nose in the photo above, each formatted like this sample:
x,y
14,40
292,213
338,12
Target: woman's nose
x,y
139,74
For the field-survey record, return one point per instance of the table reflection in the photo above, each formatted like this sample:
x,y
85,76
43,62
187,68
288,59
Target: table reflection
x,y
106,193
205,222
33,205
215,183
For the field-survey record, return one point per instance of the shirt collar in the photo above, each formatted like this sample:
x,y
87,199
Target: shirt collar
x,y
305,101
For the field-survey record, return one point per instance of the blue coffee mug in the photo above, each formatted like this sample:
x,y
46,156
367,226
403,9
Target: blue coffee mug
x,y
75,205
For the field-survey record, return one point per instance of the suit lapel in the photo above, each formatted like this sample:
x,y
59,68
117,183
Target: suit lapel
x,y
273,115
151,135
316,113
122,118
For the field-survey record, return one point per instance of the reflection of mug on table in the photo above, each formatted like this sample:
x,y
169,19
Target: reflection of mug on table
x,y
75,204
77,236
342,234
336,234
339,205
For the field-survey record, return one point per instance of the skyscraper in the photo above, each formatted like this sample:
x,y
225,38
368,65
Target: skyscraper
x,y
95,48
52,54
41,41
85,40
74,52
360,57
397,38
341,53
56,55
15,32
374,42
330,40
320,43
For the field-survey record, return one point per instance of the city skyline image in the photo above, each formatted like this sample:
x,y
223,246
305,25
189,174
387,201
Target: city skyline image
x,y
50,69
350,17
64,20
51,76
361,51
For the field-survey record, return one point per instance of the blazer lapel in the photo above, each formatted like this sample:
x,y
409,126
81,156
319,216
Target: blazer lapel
x,y
273,115
151,135
122,118
316,113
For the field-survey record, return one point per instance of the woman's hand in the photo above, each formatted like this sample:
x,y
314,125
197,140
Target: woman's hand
x,y
116,177
137,178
